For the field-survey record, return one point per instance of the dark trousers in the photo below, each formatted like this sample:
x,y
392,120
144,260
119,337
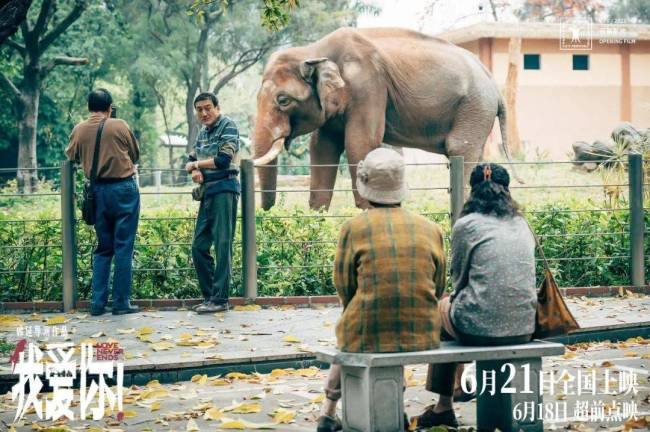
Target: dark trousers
x,y
117,214
215,226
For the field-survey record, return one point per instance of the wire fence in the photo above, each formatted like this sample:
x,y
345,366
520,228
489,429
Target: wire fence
x,y
586,230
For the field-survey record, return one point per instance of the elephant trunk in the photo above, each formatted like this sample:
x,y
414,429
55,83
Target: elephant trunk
x,y
268,175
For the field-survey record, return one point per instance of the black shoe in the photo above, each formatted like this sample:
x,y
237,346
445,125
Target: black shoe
x,y
430,419
98,312
196,306
210,307
128,310
464,397
329,424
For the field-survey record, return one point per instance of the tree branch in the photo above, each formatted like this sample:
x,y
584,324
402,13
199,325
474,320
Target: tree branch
x,y
62,60
74,14
9,86
43,16
15,45
238,68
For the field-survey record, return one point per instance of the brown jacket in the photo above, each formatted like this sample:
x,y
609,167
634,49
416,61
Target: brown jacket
x,y
118,148
389,272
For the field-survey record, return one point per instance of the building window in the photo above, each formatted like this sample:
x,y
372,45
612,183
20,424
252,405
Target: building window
x,y
531,62
580,62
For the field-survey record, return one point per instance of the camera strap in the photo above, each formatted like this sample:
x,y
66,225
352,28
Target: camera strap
x,y
93,169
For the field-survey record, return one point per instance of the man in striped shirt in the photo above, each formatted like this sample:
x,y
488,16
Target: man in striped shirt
x,y
214,165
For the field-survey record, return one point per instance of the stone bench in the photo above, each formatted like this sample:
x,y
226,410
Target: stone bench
x,y
372,383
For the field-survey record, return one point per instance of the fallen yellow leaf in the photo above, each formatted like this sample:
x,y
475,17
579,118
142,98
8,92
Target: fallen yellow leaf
x,y
219,382
290,339
237,375
284,416
199,379
279,372
247,308
162,346
143,331
126,331
306,372
98,334
318,399
59,319
241,424
213,414
245,408
154,406
630,354
192,426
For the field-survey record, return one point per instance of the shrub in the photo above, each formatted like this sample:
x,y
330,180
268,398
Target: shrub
x,y
295,249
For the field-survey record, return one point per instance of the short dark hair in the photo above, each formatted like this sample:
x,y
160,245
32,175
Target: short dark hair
x,y
206,96
490,194
99,100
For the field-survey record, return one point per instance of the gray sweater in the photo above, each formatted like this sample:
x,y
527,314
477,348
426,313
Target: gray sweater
x,y
493,276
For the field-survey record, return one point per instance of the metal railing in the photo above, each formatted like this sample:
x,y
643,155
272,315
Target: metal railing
x,y
252,246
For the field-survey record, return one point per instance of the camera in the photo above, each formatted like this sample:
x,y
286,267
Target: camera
x,y
113,112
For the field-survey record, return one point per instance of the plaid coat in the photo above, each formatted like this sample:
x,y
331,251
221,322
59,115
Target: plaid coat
x,y
389,273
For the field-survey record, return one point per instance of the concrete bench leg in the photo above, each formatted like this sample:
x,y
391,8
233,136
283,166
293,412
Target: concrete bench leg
x,y
373,399
496,411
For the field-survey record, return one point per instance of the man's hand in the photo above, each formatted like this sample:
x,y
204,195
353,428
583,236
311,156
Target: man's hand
x,y
190,166
197,176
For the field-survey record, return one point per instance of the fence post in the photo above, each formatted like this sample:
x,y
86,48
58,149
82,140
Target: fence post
x,y
456,186
635,173
249,247
69,236
157,182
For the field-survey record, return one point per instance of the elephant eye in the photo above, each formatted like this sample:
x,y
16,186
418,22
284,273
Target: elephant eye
x,y
283,100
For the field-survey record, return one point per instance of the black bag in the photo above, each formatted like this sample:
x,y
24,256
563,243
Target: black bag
x,y
88,204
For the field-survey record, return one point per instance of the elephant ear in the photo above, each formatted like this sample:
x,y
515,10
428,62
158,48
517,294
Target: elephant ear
x,y
325,76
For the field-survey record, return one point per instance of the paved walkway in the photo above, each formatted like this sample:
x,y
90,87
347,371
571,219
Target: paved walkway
x,y
289,399
156,340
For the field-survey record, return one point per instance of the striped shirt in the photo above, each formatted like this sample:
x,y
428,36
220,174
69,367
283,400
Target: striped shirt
x,y
220,142
389,272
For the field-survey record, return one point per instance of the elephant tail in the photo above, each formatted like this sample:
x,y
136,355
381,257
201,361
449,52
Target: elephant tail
x,y
501,114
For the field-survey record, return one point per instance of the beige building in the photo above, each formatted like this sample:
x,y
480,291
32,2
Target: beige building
x,y
575,82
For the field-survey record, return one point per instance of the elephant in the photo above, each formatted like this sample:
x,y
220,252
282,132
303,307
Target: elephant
x,y
357,88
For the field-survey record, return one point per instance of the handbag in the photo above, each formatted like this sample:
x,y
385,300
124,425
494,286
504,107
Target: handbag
x,y
553,317
88,202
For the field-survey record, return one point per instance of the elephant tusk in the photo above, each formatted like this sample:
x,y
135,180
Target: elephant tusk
x,y
273,152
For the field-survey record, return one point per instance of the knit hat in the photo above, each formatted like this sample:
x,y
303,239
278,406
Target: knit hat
x,y
380,177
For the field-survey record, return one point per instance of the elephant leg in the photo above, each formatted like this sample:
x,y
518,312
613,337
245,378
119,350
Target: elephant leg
x,y
364,132
325,148
468,136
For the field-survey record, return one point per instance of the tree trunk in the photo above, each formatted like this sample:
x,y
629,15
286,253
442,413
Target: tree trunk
x,y
27,115
192,122
510,96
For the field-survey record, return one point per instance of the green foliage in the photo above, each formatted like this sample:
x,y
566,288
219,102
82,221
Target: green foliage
x,y
6,348
295,250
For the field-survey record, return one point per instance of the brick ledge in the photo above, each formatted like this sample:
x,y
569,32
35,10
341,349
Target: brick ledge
x,y
301,301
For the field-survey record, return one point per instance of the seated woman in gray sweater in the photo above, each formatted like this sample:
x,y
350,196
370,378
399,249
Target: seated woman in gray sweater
x,y
493,277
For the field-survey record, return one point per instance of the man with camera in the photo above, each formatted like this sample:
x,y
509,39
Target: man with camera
x,y
107,151
214,166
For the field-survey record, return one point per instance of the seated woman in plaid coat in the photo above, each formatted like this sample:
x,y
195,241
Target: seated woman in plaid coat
x,y
389,273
